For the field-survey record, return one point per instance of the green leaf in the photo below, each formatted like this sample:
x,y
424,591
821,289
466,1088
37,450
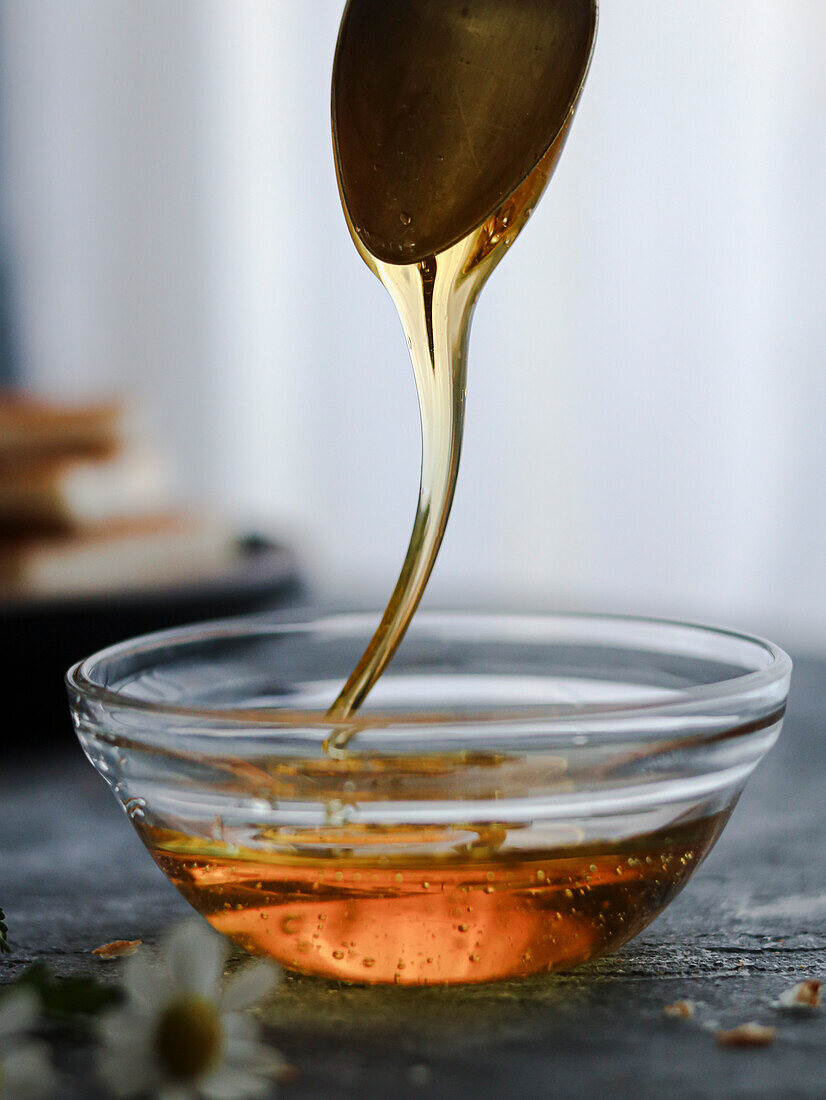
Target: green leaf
x,y
68,998
4,932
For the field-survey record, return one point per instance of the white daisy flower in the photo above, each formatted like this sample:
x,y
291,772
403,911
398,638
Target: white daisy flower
x,y
181,1033
25,1069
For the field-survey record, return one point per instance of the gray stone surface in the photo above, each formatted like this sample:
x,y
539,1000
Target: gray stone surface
x,y
751,922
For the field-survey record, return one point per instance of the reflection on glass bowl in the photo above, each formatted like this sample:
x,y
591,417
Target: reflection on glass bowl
x,y
520,793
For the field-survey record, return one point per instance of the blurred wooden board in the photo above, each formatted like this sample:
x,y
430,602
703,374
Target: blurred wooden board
x,y
39,639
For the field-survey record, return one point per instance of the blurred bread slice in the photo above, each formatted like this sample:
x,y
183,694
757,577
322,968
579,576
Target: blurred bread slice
x,y
65,493
31,427
115,557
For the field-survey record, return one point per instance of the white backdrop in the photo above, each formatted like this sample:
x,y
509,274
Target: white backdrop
x,y
647,396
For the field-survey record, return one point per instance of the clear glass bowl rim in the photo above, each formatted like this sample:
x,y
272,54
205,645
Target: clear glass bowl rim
x,y
79,676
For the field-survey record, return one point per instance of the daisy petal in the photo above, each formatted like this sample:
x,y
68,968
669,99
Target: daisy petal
x,y
28,1073
124,1027
145,983
234,1084
194,957
240,1027
255,1057
249,984
175,1092
18,1011
127,1068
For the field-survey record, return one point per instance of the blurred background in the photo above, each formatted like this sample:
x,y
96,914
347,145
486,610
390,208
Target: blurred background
x,y
646,398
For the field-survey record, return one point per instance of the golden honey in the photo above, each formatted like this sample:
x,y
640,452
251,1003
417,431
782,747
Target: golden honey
x,y
469,914
435,299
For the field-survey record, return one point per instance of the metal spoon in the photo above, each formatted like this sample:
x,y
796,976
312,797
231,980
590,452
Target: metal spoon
x,y
441,108
448,120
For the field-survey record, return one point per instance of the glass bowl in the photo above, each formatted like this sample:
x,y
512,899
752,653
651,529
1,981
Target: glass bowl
x,y
519,794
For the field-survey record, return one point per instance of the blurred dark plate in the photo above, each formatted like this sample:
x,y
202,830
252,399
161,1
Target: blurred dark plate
x,y
40,638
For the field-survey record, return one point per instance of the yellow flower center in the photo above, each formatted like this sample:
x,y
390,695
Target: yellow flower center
x,y
189,1038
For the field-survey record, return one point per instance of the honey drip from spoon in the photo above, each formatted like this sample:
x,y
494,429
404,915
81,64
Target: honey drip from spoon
x,y
448,120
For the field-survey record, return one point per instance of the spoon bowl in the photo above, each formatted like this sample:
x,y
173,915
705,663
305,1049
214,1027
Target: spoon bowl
x,y
441,109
